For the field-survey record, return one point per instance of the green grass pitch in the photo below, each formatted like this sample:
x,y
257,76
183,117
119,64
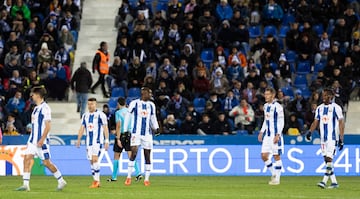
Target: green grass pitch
x,y
172,187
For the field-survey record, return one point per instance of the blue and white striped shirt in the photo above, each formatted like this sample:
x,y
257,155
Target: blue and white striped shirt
x,y
273,119
93,123
39,116
328,117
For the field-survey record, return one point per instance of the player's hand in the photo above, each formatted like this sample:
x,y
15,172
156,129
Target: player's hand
x,y
308,136
341,144
118,142
276,138
260,137
157,132
78,144
106,146
40,143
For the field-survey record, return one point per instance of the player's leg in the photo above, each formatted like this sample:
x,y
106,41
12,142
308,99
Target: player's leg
x,y
329,151
147,153
134,150
93,154
28,162
147,144
45,157
137,168
278,149
265,154
117,151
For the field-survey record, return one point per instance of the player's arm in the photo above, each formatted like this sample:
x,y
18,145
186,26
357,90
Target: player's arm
x,y
117,131
153,121
280,123
45,133
263,128
80,134
106,135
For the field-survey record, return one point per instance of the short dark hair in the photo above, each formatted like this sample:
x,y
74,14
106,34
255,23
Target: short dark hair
x,y
329,90
121,101
40,90
103,43
92,99
271,90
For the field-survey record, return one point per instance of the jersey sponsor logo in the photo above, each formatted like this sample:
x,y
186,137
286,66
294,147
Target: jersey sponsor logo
x,y
325,119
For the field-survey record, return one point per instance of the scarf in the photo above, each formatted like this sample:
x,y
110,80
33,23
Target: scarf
x,y
178,103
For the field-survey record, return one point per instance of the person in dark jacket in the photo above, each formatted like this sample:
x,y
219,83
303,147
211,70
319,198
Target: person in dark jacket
x,y
81,83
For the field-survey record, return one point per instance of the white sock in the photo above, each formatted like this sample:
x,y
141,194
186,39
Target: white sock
x,y
328,172
130,168
269,165
333,178
26,178
58,176
278,166
96,166
147,171
92,170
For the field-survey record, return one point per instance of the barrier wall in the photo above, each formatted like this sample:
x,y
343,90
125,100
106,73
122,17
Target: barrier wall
x,y
232,160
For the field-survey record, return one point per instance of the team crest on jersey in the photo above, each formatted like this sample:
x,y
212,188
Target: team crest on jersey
x,y
91,127
325,119
144,113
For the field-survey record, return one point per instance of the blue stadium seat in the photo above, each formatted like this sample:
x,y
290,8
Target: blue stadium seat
x,y
199,104
270,30
287,19
300,81
318,67
117,92
254,31
318,29
291,56
305,92
273,65
112,104
288,91
134,92
303,68
207,56
129,99
283,30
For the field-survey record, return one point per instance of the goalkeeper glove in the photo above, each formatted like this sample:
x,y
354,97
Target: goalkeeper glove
x,y
308,136
341,144
157,132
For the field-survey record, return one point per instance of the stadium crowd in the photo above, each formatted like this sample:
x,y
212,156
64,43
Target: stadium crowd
x,y
209,62
37,47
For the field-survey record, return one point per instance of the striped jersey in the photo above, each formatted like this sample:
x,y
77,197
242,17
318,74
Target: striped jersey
x,y
40,114
273,119
328,117
93,123
144,117
120,117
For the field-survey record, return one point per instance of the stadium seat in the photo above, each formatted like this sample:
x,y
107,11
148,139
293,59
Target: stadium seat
x,y
134,92
300,81
254,31
199,104
112,104
330,30
305,92
117,92
270,30
287,19
318,67
288,91
303,68
207,56
129,99
318,29
242,132
274,66
283,30
291,56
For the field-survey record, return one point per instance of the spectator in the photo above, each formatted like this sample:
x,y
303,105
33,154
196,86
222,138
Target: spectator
x,y
16,104
149,82
272,13
224,10
44,55
142,7
249,94
293,126
225,34
208,36
177,105
123,49
81,83
69,5
221,126
204,127
244,116
206,19
219,84
184,92
298,105
201,84
170,125
230,102
253,77
62,56
310,115
20,6
215,102
13,53
220,57
124,14
283,71
13,125
118,75
188,125
237,90
67,39
136,73
162,95
169,67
